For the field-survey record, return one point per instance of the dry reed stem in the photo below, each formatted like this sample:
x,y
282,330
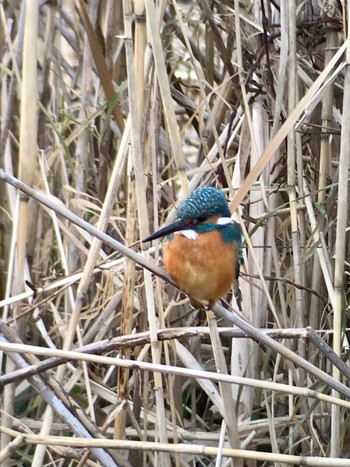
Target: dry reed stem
x,y
26,168
184,449
195,371
340,243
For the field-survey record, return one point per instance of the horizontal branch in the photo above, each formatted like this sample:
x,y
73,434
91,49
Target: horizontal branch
x,y
179,448
169,369
141,339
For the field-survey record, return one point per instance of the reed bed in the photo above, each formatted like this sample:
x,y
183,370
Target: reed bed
x,y
111,113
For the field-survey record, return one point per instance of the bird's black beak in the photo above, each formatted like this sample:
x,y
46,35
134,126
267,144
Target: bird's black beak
x,y
169,229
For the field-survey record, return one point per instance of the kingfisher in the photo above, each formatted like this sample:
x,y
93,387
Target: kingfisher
x,y
203,249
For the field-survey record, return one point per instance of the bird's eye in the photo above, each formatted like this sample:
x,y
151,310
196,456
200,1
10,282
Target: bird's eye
x,y
196,220
191,222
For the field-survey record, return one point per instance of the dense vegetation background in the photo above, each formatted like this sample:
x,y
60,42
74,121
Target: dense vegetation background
x,y
113,111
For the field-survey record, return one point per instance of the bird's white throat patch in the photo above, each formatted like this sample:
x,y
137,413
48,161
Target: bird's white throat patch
x,y
192,234
224,220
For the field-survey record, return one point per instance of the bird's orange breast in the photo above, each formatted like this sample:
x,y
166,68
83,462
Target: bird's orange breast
x,y
203,268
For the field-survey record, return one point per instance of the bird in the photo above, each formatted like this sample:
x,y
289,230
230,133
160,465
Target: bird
x,y
204,247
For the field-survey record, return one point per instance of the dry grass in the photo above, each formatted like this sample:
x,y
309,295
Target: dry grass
x,y
139,104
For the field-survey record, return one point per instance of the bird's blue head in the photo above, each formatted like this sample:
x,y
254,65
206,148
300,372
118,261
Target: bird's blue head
x,y
203,203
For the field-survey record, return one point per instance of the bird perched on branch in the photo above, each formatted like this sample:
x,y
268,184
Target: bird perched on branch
x,y
203,250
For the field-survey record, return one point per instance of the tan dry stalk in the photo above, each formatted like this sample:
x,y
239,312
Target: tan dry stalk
x,y
292,179
26,170
140,185
100,62
226,394
326,145
168,106
340,242
186,449
82,153
324,164
127,312
128,295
